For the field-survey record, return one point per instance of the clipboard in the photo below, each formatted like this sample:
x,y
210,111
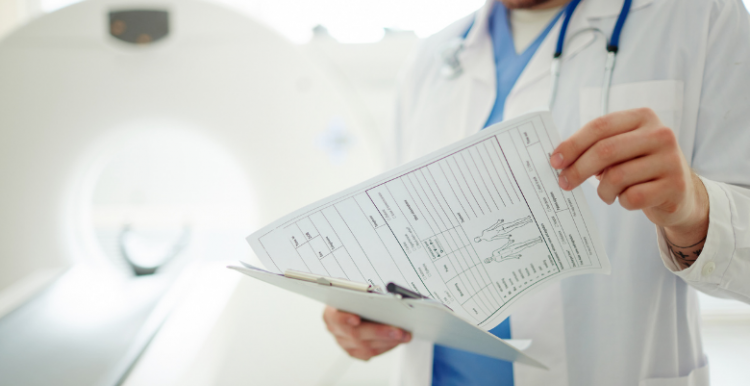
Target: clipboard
x,y
425,319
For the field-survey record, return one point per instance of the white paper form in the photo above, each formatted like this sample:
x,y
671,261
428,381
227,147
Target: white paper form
x,y
476,225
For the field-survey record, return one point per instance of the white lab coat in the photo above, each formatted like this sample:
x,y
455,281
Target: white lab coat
x,y
688,60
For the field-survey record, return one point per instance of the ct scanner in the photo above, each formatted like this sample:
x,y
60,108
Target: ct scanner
x,y
80,85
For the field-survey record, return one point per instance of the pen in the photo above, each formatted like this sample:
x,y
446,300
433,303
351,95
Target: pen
x,y
330,281
404,292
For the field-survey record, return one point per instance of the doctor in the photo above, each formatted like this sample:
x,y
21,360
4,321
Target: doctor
x,y
665,171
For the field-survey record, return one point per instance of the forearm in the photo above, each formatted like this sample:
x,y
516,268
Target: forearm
x,y
686,242
723,268
685,256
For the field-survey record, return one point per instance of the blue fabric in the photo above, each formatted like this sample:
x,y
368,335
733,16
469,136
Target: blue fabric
x,y
461,368
508,64
614,41
455,367
569,9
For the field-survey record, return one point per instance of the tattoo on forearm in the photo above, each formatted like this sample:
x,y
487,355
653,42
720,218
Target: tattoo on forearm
x,y
687,255
680,254
703,240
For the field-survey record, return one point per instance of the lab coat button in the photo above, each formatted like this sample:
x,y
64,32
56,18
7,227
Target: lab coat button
x,y
708,268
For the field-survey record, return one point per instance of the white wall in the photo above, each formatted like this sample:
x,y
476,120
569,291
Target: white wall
x,y
11,13
367,74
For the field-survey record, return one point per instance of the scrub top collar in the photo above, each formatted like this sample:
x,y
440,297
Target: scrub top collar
x,y
590,9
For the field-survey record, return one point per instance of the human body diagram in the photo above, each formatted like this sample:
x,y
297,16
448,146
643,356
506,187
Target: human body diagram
x,y
511,250
501,231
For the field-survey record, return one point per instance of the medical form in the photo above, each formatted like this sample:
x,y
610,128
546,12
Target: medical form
x,y
476,225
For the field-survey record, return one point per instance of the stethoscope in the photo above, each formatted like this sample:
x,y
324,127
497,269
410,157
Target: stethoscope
x,y
452,65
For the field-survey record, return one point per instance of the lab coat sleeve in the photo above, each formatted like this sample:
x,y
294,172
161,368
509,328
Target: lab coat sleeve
x,y
721,156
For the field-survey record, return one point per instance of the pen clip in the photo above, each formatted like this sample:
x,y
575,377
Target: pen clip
x,y
328,281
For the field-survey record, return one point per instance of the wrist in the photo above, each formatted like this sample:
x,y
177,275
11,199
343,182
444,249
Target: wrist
x,y
695,228
686,240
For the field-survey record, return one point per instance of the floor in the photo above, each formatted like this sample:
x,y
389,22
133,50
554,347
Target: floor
x,y
726,340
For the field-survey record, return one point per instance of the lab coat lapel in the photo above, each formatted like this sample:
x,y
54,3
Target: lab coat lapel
x,y
481,89
479,66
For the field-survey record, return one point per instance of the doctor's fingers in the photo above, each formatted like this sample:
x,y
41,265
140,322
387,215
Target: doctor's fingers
x,y
334,317
600,128
607,153
366,349
368,331
344,324
350,343
617,179
647,195
365,353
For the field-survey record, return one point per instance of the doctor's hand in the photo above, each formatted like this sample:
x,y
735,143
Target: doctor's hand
x,y
361,339
638,161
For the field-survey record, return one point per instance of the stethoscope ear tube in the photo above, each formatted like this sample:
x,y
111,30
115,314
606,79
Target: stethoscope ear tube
x,y
614,41
612,48
452,68
569,9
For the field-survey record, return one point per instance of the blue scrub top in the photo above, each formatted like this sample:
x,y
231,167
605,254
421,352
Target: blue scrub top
x,y
456,367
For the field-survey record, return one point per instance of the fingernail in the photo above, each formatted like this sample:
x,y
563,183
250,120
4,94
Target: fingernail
x,y
563,182
406,338
395,334
556,160
352,321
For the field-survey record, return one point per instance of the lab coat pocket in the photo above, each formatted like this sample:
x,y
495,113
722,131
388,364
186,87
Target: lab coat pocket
x,y
697,377
663,96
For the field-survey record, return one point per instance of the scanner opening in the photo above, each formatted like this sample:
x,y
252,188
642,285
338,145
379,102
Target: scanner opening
x,y
156,195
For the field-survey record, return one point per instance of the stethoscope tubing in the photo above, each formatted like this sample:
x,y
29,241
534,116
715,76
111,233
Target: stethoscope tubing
x,y
452,65
612,48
